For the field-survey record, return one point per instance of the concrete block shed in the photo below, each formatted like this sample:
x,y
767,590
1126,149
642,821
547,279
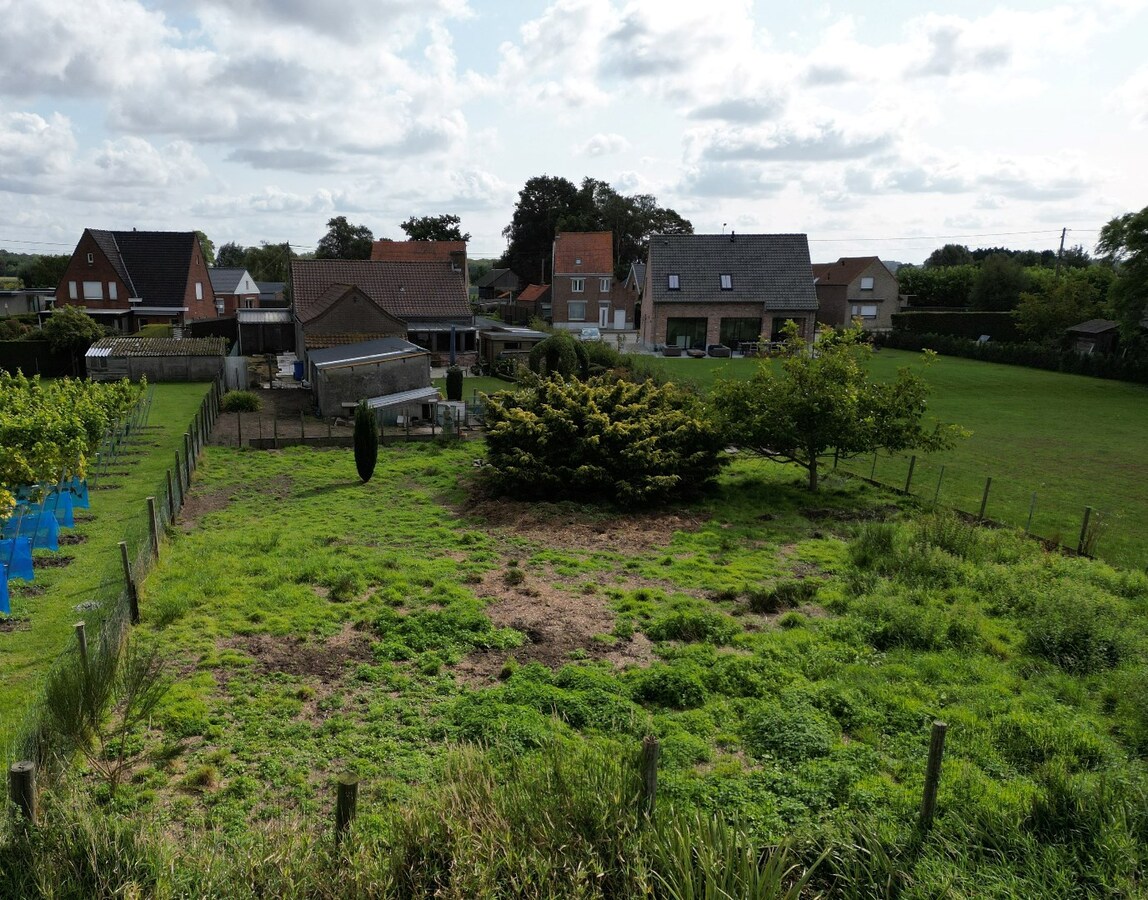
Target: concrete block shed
x,y
160,359
342,376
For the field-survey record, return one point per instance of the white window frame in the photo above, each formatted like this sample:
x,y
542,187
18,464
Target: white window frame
x,y
576,310
93,290
673,282
577,285
865,310
73,291
199,290
603,285
113,291
726,282
866,282
91,259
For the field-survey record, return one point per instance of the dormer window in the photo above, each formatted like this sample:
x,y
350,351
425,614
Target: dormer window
x,y
727,282
674,282
867,283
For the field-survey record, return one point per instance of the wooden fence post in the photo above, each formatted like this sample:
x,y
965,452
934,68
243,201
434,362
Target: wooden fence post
x,y
153,526
985,499
302,429
1031,510
1080,544
909,477
170,499
239,420
187,455
22,788
275,427
651,750
873,471
937,492
82,643
933,774
133,598
346,802
179,476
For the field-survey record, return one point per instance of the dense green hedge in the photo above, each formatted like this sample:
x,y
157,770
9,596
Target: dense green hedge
x,y
1037,356
1000,326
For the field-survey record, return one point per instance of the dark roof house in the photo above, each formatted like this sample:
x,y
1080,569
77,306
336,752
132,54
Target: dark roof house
x,y
130,278
705,289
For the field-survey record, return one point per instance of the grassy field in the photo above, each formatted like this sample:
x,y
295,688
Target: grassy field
x,y
789,651
88,566
1071,440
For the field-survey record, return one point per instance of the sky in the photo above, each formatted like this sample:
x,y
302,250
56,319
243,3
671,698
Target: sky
x,y
884,128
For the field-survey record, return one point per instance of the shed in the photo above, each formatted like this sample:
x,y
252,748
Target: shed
x,y
497,341
160,359
1094,336
348,373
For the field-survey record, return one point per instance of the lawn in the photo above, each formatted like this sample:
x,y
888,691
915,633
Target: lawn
x,y
1071,440
88,566
790,652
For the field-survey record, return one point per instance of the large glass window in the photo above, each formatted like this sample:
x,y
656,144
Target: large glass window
x,y
93,290
688,333
739,331
577,309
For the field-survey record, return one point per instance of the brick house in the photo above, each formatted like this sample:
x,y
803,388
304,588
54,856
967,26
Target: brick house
x,y
127,279
859,287
583,290
343,301
234,289
704,289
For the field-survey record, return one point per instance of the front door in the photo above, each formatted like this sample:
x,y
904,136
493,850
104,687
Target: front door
x,y
604,316
620,319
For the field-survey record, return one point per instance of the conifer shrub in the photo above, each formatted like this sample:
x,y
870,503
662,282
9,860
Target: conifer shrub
x,y
454,383
366,442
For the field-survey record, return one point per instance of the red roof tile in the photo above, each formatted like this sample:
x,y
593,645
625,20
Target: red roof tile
x,y
416,251
534,292
408,291
594,248
844,270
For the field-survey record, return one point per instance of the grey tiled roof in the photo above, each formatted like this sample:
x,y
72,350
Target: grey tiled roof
x,y
225,281
772,269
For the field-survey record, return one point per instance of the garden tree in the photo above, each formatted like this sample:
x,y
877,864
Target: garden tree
x,y
268,262
823,403
208,247
1078,295
938,286
230,256
43,271
949,255
71,330
560,354
603,439
1124,243
366,442
434,228
1075,258
543,202
998,284
344,241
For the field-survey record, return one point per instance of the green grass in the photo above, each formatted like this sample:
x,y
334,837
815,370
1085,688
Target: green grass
x,y
789,651
1071,440
47,606
476,384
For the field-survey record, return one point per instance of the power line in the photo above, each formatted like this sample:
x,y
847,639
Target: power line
x,y
941,237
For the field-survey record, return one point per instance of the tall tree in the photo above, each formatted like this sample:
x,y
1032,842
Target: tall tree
x,y
43,271
1078,295
543,202
1124,243
434,228
344,241
999,284
268,262
230,256
949,255
817,405
208,247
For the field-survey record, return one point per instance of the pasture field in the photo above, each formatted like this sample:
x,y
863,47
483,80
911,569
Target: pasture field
x,y
789,650
1071,440
87,565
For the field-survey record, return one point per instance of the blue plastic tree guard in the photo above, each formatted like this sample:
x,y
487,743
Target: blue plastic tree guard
x,y
16,554
58,504
78,488
40,527
5,606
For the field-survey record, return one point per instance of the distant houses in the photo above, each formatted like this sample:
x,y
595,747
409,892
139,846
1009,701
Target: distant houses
x,y
856,288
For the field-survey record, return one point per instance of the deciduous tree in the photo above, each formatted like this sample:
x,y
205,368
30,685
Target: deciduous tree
x,y
1124,243
344,241
208,246
434,228
230,256
824,402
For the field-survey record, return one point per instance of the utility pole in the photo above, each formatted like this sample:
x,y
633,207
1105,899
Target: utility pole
x,y
1060,252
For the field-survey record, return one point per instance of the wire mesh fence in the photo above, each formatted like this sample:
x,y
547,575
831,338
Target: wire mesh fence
x,y
1039,510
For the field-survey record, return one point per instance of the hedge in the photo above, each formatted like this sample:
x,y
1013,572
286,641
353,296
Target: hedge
x,y
1000,326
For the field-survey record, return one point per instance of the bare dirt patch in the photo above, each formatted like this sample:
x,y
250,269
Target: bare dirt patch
x,y
51,562
326,660
278,413
198,504
829,514
11,623
544,522
73,538
559,626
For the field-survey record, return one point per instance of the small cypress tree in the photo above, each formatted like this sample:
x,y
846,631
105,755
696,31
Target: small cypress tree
x,y
366,442
454,383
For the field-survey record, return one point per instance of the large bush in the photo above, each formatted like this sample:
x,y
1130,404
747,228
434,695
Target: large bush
x,y
560,354
601,439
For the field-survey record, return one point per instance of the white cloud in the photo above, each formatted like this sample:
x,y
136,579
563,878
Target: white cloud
x,y
1130,99
34,151
603,145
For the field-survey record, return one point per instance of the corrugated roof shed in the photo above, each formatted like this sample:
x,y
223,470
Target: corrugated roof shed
x,y
364,352
141,346
773,269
